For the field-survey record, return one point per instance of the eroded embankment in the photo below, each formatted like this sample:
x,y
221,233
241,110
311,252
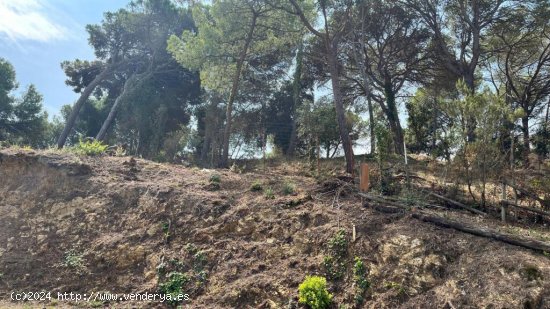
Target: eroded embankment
x,y
80,224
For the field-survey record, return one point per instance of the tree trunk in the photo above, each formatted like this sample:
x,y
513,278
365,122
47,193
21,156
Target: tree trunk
x,y
112,113
78,105
526,144
393,118
224,162
339,105
297,87
371,126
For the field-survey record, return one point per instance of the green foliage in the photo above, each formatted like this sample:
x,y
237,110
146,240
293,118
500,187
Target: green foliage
x,y
335,262
256,186
531,273
22,120
338,245
428,124
74,260
90,147
214,182
223,28
360,280
269,194
187,275
289,188
319,120
478,159
174,285
215,178
313,292
166,230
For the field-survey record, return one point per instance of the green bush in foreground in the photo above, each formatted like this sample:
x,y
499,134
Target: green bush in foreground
x,y
313,292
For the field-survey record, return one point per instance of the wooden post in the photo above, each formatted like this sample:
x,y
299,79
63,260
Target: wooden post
x,y
353,235
364,180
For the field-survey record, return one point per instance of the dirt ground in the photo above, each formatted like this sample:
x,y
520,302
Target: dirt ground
x,y
243,240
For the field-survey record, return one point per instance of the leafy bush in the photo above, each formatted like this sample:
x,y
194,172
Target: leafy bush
x,y
269,194
289,188
256,186
215,178
313,292
338,245
361,282
74,260
335,262
90,147
174,284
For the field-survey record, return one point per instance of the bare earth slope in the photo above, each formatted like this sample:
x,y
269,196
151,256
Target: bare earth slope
x,y
98,224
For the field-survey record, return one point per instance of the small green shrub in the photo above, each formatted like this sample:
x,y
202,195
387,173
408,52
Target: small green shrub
x,y
334,268
335,262
313,292
338,245
361,282
289,188
74,260
256,186
395,286
90,147
269,194
215,178
174,285
531,273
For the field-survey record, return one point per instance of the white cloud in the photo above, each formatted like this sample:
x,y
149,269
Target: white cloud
x,y
29,20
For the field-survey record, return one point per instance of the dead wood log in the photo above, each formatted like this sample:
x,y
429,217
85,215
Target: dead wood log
x,y
526,208
483,232
387,209
448,200
543,202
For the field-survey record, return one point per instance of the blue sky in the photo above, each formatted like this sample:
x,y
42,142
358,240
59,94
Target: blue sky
x,y
36,35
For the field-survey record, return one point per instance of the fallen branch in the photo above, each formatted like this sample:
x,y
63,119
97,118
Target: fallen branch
x,y
506,238
448,200
388,210
401,201
526,208
528,193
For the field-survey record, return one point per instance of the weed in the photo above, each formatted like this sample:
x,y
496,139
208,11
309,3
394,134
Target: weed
x,y
395,286
199,261
256,186
333,267
338,245
531,272
334,262
191,248
166,230
269,194
161,269
360,279
74,260
90,147
215,178
174,285
313,292
289,188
